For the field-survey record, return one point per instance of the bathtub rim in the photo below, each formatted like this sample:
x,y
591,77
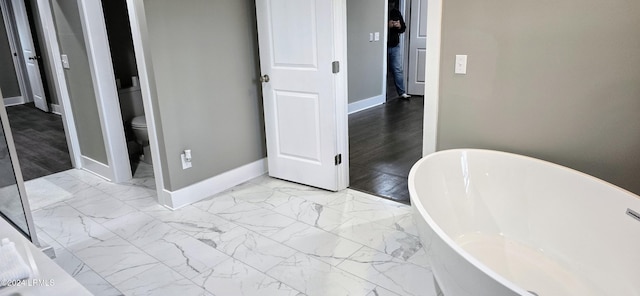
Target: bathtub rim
x,y
417,204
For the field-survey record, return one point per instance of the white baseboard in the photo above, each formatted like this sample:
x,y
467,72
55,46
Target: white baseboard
x,y
12,101
366,103
97,168
203,189
55,109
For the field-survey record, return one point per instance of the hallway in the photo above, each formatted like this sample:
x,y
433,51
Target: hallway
x,y
385,141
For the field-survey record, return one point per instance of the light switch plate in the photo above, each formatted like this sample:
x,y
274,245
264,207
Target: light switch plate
x,y
370,37
461,64
376,36
65,61
185,164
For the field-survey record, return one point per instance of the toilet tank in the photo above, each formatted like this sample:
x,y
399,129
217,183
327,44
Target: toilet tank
x,y
130,103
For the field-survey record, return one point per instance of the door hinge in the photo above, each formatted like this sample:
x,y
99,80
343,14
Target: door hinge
x,y
338,159
335,67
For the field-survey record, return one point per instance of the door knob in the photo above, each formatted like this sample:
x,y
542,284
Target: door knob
x,y
264,78
33,58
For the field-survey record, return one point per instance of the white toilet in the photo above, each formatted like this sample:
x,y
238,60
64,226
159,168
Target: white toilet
x,y
139,126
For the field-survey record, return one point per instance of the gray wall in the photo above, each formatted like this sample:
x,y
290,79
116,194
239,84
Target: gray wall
x,y
8,79
205,63
558,80
365,58
79,82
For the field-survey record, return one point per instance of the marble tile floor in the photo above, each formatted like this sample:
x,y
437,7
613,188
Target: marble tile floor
x,y
263,237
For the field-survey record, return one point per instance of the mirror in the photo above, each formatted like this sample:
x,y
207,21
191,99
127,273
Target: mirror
x,y
12,202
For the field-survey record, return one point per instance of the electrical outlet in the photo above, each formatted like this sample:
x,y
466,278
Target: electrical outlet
x,y
185,164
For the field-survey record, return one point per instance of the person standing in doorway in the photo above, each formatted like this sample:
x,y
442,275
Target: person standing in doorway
x,y
394,52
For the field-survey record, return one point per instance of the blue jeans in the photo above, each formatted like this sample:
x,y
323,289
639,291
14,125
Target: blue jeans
x,y
395,65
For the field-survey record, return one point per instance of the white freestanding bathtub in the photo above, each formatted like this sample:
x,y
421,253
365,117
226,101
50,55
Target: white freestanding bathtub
x,y
496,223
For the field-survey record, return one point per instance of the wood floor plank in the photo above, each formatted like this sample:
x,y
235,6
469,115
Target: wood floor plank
x,y
384,143
40,141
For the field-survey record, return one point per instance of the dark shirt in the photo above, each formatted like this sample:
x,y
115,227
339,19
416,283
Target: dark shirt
x,y
394,33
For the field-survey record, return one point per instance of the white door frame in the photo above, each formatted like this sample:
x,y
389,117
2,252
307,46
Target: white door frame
x,y
139,33
52,50
7,16
432,77
104,82
342,91
404,7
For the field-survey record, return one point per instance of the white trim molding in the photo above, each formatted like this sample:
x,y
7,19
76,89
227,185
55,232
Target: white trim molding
x,y
342,90
12,101
55,109
97,168
432,79
104,81
138,22
367,103
52,48
203,189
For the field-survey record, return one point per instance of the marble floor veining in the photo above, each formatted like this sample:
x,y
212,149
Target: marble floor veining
x,y
263,237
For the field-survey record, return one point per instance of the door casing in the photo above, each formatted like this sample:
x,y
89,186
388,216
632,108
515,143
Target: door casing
x,y
432,77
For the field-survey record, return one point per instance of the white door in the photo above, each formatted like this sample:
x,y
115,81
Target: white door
x,y
29,55
417,47
297,48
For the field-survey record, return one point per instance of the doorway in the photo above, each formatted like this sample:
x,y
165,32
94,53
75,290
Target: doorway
x,y
385,139
125,70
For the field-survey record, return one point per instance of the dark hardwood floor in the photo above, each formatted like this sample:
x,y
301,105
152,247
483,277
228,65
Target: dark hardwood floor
x,y
384,142
40,141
